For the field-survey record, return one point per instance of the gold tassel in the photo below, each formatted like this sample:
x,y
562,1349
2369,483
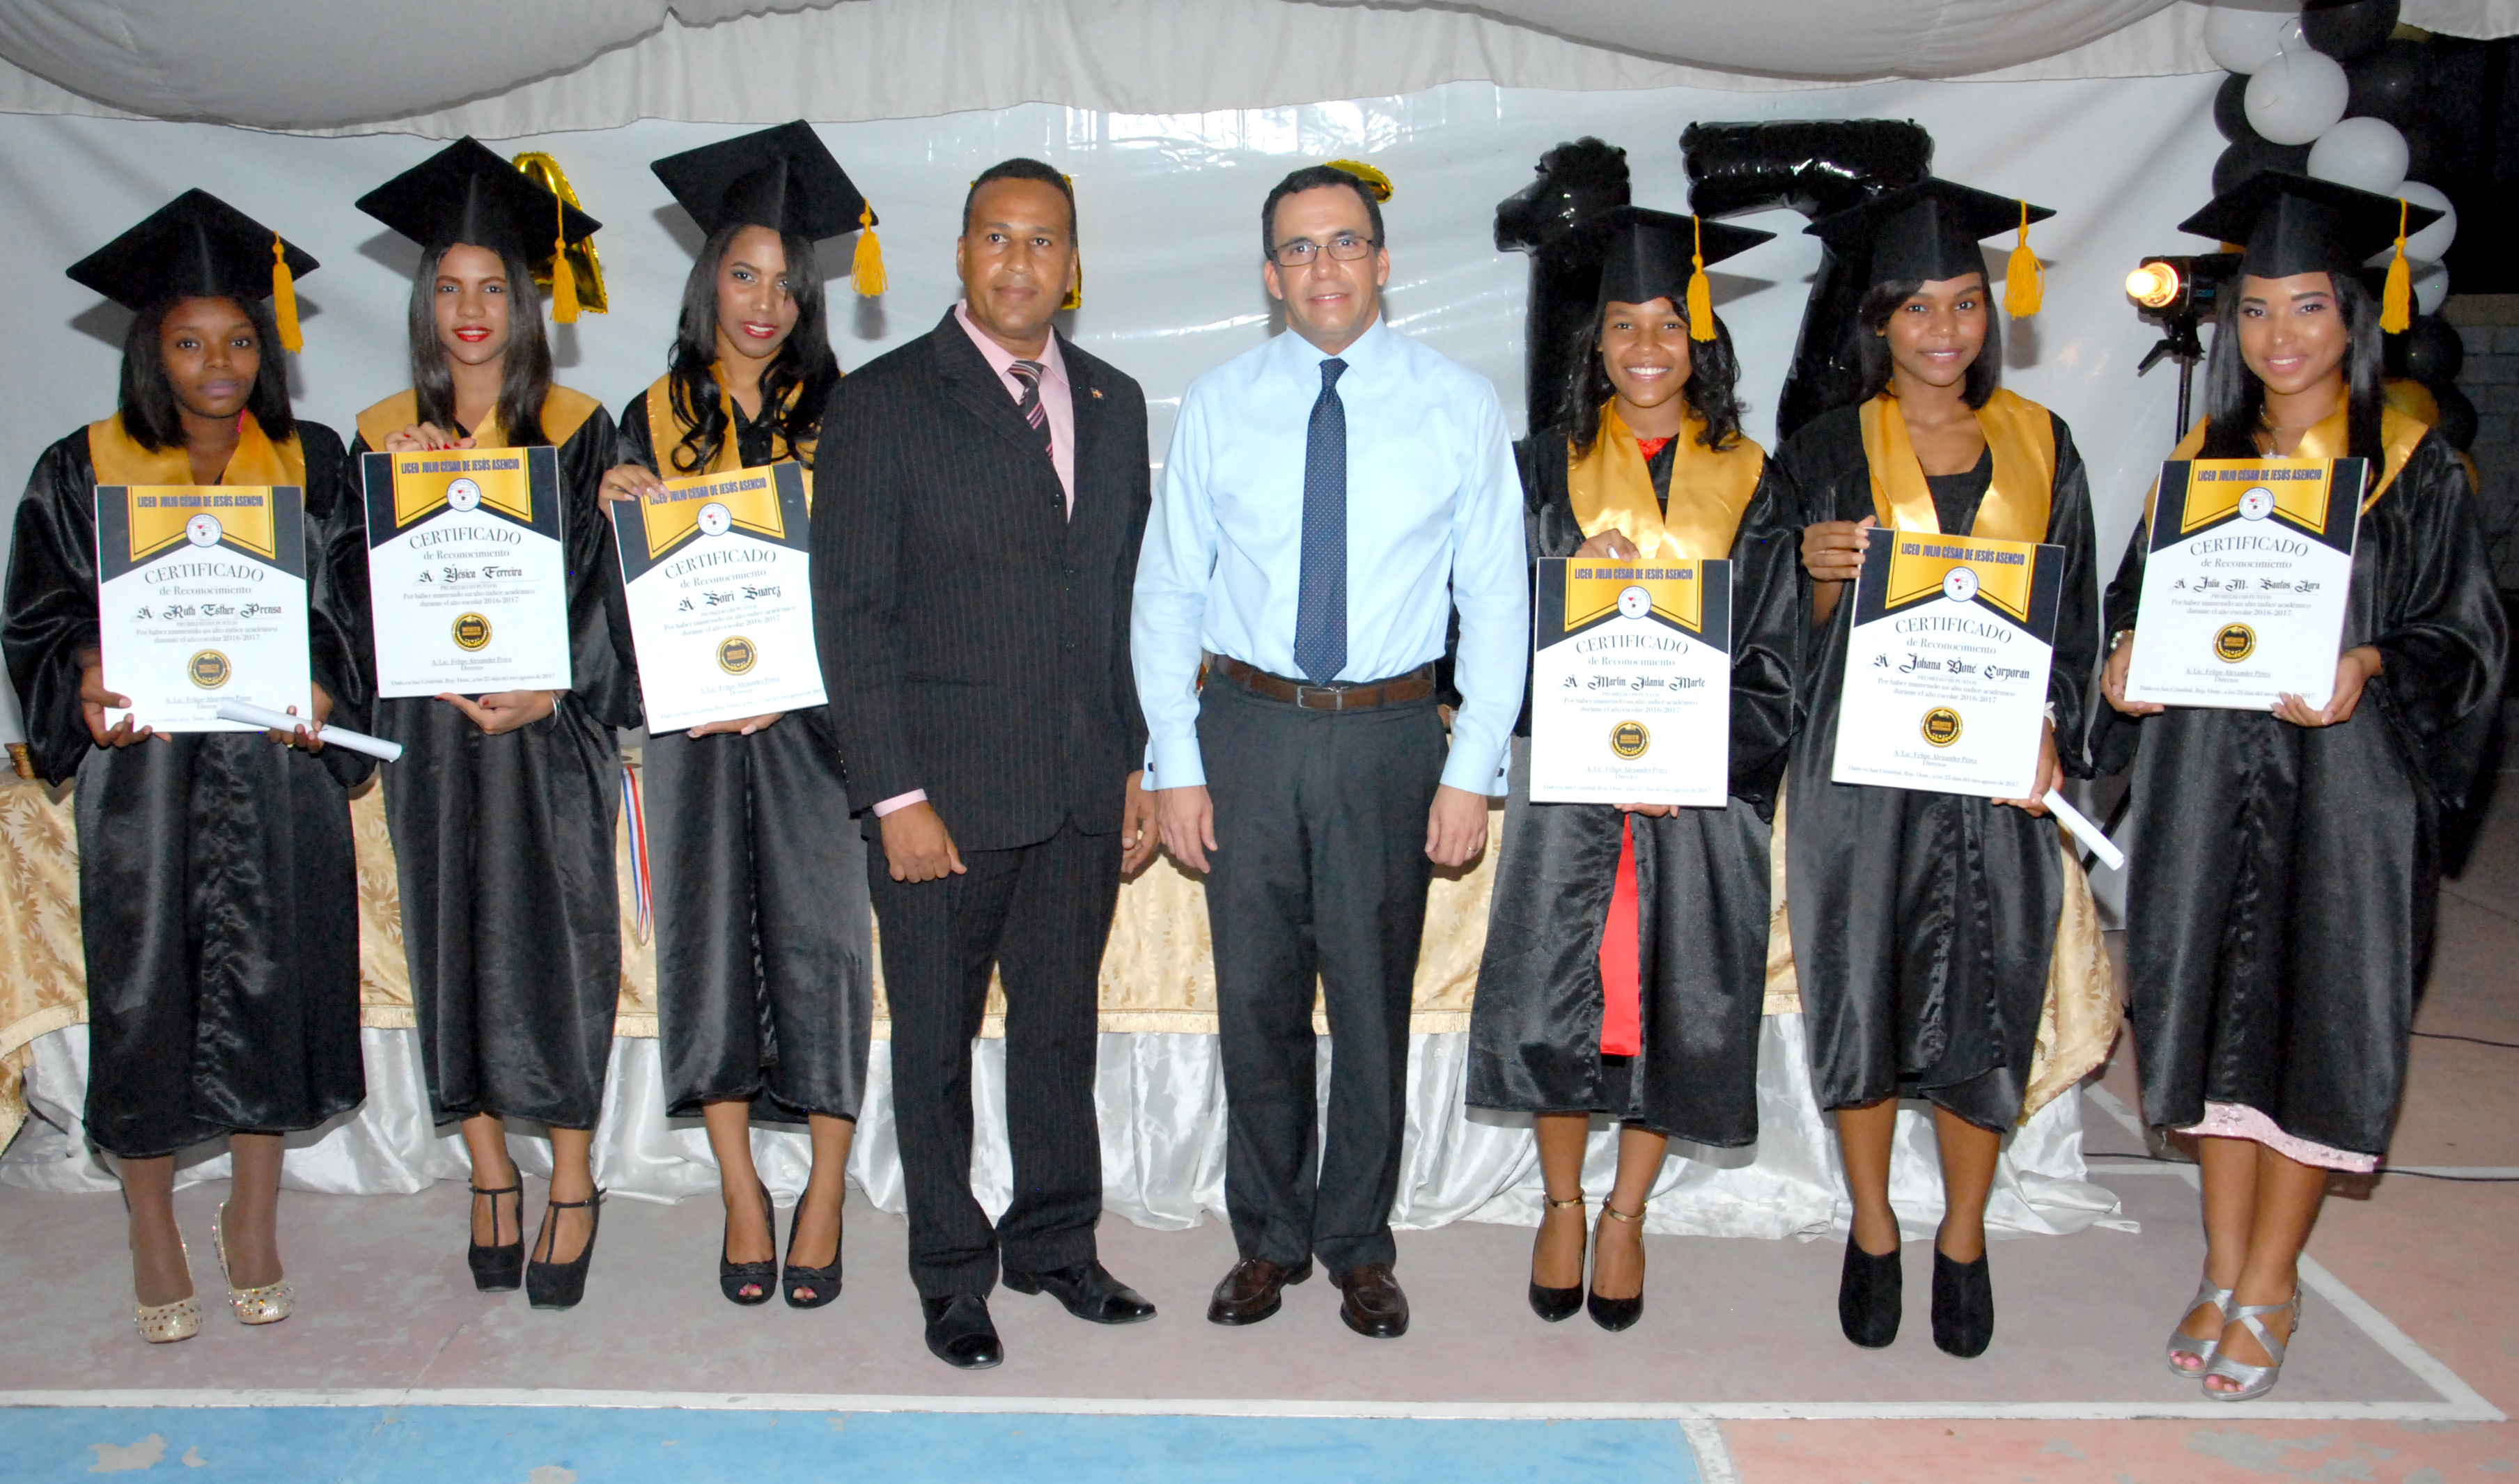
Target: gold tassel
x,y
2397,299
1700,292
2023,281
564,290
585,265
284,297
866,270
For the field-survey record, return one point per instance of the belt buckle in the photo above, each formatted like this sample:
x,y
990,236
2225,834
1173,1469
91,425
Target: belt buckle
x,y
1304,691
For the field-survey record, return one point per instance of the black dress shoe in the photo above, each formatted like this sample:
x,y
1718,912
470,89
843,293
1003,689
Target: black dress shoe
x,y
560,1285
1088,1291
1374,1306
1963,1305
1870,1295
959,1333
1255,1289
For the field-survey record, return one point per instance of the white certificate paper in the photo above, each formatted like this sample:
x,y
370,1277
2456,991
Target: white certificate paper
x,y
1946,669
718,576
467,577
202,598
1631,682
2244,583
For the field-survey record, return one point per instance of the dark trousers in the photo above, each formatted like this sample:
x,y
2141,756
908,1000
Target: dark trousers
x,y
1040,915
1320,876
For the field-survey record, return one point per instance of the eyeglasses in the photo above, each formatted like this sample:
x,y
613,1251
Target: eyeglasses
x,y
1346,247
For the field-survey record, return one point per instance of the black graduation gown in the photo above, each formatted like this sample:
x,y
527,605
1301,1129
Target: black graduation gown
x,y
511,911
2279,904
1923,923
219,898
764,981
1702,878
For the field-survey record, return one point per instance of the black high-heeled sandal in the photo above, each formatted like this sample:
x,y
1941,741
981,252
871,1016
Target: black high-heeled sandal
x,y
733,1277
1870,1295
499,1267
1614,1314
820,1284
560,1285
1555,1304
1963,1305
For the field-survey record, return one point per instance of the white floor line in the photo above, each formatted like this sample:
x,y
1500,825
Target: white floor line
x,y
2401,1347
1713,1455
1237,1407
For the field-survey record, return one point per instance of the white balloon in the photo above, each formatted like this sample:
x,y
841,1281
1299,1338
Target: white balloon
x,y
2431,287
2430,244
2245,40
2297,96
2367,152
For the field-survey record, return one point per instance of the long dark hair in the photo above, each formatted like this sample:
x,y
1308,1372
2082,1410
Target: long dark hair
x,y
804,364
149,413
1984,373
1712,370
526,366
2235,400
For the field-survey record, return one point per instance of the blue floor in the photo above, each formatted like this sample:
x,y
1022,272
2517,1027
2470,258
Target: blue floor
x,y
553,1445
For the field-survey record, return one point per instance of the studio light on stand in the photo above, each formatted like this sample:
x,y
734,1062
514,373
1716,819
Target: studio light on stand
x,y
2177,293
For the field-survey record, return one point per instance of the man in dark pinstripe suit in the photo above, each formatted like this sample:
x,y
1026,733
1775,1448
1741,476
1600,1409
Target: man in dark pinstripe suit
x,y
979,501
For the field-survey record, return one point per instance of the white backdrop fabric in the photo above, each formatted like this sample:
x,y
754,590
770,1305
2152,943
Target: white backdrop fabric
x,y
1161,1103
1169,207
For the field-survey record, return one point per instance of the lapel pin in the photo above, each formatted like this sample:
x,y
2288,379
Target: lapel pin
x,y
1097,393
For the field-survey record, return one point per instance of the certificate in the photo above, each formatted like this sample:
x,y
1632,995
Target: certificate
x,y
2244,583
467,578
1631,682
202,599
1946,668
718,576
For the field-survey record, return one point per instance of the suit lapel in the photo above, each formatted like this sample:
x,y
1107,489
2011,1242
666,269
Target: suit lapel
x,y
970,382
1085,392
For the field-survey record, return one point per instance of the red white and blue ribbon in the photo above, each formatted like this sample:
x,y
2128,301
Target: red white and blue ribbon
x,y
635,809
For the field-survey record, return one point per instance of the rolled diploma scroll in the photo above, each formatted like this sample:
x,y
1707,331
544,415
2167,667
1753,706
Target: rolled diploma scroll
x,y
2074,820
331,736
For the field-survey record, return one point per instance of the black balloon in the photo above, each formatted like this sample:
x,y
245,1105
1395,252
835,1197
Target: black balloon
x,y
2429,351
2456,417
2230,109
2348,30
2424,157
2388,83
1815,168
1577,181
2252,156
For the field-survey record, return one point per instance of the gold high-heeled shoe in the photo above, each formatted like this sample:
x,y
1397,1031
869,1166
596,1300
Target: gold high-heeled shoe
x,y
268,1304
166,1323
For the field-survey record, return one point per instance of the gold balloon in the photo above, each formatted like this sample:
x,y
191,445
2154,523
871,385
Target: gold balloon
x,y
584,266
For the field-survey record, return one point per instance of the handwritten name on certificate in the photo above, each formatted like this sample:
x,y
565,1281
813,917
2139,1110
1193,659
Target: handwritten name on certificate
x,y
2244,581
1631,682
1946,668
202,599
720,580
466,573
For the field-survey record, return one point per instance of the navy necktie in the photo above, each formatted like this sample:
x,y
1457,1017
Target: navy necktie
x,y
1028,373
1320,605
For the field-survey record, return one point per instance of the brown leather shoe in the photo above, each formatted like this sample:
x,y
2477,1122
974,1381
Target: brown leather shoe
x,y
1374,1307
1255,1289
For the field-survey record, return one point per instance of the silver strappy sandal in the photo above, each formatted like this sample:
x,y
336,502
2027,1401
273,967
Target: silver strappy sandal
x,y
2182,1343
2254,1380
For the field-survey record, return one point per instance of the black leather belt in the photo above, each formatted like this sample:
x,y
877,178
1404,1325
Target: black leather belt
x,y
1416,685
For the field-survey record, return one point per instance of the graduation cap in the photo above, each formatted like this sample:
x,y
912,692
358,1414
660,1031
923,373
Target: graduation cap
x,y
2291,224
1930,230
198,247
780,177
466,193
1647,255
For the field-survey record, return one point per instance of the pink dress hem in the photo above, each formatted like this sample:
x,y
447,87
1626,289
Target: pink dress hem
x,y
2238,1121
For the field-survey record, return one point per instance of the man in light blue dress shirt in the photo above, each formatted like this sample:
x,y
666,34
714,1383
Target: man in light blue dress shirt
x,y
1329,500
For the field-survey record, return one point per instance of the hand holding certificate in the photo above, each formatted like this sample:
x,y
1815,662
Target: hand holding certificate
x,y
468,576
1631,682
202,599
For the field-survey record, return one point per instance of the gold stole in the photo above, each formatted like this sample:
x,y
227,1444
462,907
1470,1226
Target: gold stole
x,y
667,429
564,410
2398,436
1611,486
2022,437
257,460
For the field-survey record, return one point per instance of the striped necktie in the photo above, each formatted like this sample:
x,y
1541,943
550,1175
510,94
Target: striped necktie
x,y
1029,403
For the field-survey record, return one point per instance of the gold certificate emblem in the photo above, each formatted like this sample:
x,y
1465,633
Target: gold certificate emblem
x,y
1629,739
471,631
209,669
2235,642
738,655
1941,727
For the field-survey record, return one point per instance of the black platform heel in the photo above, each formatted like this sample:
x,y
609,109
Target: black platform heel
x,y
820,1284
733,1277
560,1285
1555,1304
1614,1314
1870,1295
1963,1305
499,1268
